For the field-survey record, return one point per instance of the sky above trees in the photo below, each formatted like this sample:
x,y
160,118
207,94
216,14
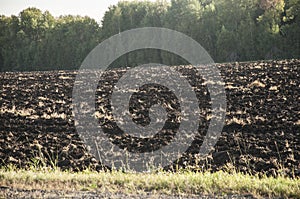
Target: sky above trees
x,y
92,8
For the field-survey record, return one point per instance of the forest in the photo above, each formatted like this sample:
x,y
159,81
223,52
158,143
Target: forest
x,y
230,30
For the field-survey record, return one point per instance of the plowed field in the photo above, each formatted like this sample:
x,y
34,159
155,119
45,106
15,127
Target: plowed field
x,y
261,134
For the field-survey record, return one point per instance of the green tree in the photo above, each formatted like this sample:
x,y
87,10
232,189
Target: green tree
x,y
268,26
230,30
68,43
290,29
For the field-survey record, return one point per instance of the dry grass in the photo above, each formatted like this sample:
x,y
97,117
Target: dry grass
x,y
182,183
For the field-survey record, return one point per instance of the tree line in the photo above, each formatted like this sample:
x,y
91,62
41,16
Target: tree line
x,y
230,30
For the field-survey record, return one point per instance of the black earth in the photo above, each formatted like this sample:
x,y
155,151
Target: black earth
x,y
261,134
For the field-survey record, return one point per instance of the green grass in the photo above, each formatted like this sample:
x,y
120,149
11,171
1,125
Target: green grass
x,y
180,183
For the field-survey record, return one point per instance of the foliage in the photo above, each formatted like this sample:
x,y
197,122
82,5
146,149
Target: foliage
x,y
230,30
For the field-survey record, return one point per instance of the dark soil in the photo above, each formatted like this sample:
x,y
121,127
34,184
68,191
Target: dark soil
x,y
261,135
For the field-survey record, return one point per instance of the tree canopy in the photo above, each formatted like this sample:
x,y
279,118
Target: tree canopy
x,y
230,30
